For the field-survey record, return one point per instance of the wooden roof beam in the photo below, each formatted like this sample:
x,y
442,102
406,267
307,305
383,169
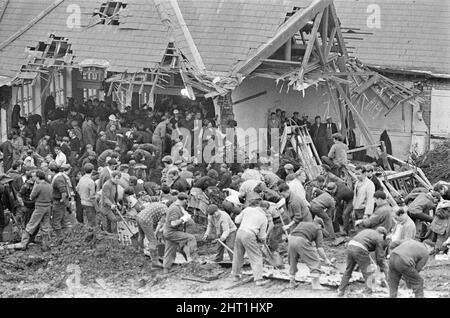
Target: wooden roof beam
x,y
284,33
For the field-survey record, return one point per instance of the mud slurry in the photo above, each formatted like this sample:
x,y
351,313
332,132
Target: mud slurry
x,y
88,264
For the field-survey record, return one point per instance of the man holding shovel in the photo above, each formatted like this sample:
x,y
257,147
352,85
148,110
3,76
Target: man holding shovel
x,y
174,234
301,246
225,231
253,227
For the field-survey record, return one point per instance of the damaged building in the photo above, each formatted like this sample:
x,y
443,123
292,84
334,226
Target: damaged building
x,y
242,59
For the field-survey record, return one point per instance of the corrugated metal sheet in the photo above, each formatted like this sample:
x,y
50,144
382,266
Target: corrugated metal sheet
x,y
413,34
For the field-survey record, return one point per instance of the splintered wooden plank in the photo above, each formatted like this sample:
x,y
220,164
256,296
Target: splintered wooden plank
x,y
340,38
311,42
361,123
330,41
362,88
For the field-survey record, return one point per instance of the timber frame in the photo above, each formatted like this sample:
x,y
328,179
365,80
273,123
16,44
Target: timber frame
x,y
316,33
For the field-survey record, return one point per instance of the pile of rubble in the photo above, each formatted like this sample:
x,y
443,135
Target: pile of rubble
x,y
93,257
435,163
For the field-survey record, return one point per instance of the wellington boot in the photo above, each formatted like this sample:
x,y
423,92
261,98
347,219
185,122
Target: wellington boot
x,y
315,284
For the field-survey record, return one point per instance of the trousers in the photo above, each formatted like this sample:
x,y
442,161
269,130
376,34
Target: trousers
x,y
89,215
355,255
146,231
39,219
316,210
174,240
221,249
399,269
246,242
301,249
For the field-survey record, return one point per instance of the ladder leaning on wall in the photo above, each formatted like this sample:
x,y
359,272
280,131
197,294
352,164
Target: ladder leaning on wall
x,y
303,146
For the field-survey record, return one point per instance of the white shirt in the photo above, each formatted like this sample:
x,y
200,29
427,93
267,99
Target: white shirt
x,y
60,159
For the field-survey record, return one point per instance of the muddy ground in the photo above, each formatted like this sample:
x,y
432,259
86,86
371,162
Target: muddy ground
x,y
87,265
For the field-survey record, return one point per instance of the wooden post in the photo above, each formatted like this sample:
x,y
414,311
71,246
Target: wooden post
x,y
288,50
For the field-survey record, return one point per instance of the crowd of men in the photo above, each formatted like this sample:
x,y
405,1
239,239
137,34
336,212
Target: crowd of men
x,y
92,164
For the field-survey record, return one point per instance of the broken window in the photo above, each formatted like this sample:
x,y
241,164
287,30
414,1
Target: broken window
x,y
109,12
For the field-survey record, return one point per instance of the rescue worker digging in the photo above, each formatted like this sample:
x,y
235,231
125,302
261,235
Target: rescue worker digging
x,y
301,248
407,259
358,250
225,230
253,225
174,235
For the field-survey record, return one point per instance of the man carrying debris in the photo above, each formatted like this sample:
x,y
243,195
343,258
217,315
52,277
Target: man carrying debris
x,y
301,247
420,208
323,207
150,218
225,230
358,250
253,226
364,190
382,216
174,234
297,209
407,259
42,194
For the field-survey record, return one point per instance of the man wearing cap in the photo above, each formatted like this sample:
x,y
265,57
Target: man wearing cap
x,y
297,209
285,171
324,206
176,182
407,259
86,190
225,230
253,225
40,218
420,208
337,156
300,247
109,202
358,249
113,122
105,174
174,233
62,200
382,216
150,217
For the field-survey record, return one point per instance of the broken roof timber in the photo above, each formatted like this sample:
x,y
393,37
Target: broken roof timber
x,y
285,32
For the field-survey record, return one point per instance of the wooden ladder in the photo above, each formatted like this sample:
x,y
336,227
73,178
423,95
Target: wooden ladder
x,y
303,146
